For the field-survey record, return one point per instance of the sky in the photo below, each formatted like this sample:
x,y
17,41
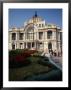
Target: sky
x,y
17,17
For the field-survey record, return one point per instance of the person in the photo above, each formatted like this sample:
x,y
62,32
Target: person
x,y
58,54
52,52
55,54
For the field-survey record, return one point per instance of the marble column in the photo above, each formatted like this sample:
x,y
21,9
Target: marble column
x,y
45,46
37,36
23,36
26,44
10,37
54,35
31,44
59,36
45,33
16,36
23,45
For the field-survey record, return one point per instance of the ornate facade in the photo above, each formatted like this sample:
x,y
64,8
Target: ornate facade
x,y
37,34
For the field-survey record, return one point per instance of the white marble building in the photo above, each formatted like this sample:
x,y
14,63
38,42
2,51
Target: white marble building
x,y
37,34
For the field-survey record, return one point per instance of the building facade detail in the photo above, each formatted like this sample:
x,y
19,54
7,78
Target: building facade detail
x,y
37,34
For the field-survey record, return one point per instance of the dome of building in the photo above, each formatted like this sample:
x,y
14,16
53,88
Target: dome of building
x,y
35,19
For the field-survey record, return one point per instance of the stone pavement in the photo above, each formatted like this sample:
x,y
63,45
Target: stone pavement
x,y
57,60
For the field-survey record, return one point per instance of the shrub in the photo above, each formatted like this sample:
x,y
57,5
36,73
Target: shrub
x,y
19,61
35,54
19,57
17,52
14,52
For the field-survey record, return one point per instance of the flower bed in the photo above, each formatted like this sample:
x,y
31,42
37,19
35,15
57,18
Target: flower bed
x,y
18,58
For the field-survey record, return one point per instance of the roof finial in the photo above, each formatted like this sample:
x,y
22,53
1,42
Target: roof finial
x,y
35,13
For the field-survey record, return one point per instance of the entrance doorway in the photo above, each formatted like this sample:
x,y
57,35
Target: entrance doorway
x,y
13,46
28,45
33,44
50,45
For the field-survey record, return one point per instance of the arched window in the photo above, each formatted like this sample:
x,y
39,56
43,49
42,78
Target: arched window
x,y
49,34
49,45
29,31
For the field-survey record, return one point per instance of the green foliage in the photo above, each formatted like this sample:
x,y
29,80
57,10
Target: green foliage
x,y
14,52
17,64
38,53
17,52
22,71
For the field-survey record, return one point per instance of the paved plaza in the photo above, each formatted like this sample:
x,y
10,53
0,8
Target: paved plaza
x,y
57,60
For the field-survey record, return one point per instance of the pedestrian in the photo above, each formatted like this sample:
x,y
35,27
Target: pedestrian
x,y
58,53
51,51
55,54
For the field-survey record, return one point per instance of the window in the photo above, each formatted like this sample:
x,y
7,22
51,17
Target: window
x,y
13,36
30,36
41,45
33,44
49,34
39,25
40,35
21,36
29,45
13,46
30,33
21,45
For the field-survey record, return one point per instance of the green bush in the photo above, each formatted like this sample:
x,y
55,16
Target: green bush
x,y
17,64
13,52
35,54
29,59
38,53
17,52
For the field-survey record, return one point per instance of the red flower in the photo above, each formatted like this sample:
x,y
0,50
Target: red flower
x,y
22,56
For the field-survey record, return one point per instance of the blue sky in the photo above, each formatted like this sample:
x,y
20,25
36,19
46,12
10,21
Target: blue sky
x,y
17,17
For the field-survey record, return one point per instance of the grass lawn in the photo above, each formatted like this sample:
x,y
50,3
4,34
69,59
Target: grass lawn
x,y
23,72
